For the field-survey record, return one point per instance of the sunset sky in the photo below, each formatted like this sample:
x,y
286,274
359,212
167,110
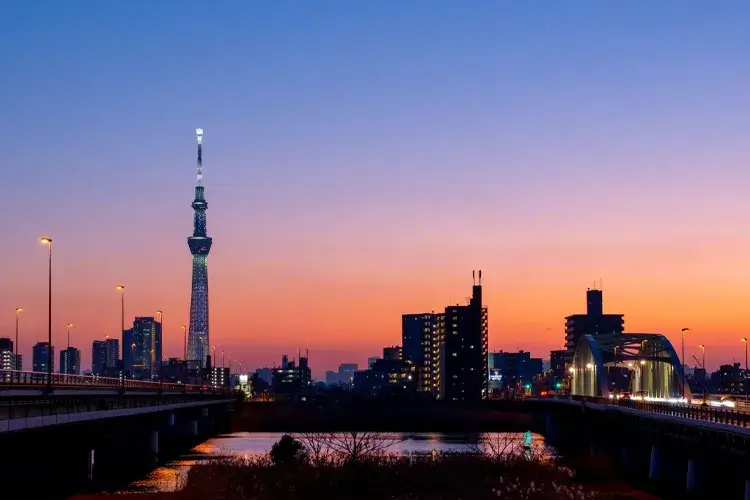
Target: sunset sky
x,y
361,158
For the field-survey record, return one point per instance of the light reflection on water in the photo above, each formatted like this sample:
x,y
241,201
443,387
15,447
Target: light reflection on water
x,y
171,476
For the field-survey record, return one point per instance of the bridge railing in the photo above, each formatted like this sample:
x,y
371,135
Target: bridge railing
x,y
24,379
704,413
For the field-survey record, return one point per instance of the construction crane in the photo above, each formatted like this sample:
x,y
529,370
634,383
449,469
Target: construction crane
x,y
697,361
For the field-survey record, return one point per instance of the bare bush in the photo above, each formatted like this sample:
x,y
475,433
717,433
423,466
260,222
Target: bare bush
x,y
346,447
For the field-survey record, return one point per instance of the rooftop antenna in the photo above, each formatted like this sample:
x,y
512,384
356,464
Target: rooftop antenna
x,y
199,138
480,277
473,277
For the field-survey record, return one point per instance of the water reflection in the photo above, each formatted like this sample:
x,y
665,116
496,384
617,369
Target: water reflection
x,y
172,476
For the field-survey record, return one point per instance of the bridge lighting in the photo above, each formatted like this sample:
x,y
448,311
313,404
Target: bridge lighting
x,y
558,385
528,386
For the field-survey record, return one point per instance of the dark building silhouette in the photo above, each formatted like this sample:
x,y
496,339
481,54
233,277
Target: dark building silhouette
x,y
292,379
387,378
7,358
70,361
99,357
141,348
557,363
594,322
392,352
419,333
513,370
40,354
465,371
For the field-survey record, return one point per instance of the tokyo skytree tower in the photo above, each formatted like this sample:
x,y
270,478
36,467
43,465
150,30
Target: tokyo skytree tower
x,y
200,245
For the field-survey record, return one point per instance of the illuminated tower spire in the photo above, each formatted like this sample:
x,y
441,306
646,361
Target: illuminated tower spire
x,y
200,245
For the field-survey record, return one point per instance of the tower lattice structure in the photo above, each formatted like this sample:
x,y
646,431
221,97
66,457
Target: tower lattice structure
x,y
200,245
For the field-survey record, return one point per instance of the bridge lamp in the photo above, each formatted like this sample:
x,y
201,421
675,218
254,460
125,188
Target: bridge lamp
x,y
48,241
589,366
572,370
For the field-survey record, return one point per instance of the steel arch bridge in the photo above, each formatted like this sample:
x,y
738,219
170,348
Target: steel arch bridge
x,y
653,367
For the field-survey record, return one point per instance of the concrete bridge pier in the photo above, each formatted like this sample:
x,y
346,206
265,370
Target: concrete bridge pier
x,y
549,427
170,420
193,428
153,446
624,457
747,489
691,483
90,466
654,464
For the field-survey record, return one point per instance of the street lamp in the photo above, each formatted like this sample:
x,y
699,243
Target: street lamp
x,y
703,348
683,360
222,360
48,241
747,374
184,331
161,342
15,358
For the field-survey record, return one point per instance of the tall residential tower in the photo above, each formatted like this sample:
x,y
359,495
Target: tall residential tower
x,y
200,245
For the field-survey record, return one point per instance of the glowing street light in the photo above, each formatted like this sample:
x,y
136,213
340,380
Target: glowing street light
x,y
683,360
184,331
15,357
48,241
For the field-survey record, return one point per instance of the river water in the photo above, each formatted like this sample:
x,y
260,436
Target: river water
x,y
171,476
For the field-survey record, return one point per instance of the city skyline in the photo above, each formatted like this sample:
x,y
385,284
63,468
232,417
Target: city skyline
x,y
344,200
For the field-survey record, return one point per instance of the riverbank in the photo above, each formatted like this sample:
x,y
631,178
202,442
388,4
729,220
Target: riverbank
x,y
440,477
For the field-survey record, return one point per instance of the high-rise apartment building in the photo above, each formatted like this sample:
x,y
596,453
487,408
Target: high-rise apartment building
x,y
113,355
70,361
594,322
40,356
464,368
420,333
8,361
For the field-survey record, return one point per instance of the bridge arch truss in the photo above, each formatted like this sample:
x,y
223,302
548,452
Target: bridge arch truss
x,y
641,363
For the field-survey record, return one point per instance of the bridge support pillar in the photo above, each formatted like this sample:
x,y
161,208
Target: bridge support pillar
x,y
90,466
153,443
170,420
549,427
204,412
747,489
624,456
654,465
193,427
690,480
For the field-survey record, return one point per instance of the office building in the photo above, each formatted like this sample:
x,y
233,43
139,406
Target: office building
x,y
465,369
40,356
557,363
99,357
70,361
513,370
113,356
219,377
141,351
370,361
594,322
292,379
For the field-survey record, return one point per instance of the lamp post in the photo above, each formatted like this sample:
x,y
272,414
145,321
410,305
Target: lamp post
x,y
161,343
184,331
15,356
747,374
222,360
683,361
48,241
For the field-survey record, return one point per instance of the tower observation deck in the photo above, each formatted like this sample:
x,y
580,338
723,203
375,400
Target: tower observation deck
x,y
200,245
